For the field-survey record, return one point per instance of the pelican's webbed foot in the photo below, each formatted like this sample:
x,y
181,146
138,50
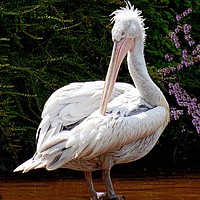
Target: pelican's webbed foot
x,y
101,195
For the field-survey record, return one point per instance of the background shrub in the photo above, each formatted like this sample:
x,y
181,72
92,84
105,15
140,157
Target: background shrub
x,y
47,44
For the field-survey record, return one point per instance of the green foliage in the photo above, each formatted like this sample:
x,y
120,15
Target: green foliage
x,y
44,45
47,44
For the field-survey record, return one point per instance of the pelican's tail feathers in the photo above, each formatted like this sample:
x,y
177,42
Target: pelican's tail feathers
x,y
23,165
32,163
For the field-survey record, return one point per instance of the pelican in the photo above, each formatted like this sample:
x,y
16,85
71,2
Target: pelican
x,y
77,133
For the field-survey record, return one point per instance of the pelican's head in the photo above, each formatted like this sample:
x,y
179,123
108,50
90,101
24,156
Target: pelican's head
x,y
128,23
128,27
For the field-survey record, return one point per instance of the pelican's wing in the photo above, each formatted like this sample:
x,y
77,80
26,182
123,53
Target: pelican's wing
x,y
70,105
67,108
100,134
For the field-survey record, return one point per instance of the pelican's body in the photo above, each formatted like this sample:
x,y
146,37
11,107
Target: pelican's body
x,y
75,133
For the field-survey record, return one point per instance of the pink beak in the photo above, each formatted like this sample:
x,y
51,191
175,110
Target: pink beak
x,y
120,49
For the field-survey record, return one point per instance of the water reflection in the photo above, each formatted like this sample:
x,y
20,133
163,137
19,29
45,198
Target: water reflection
x,y
70,189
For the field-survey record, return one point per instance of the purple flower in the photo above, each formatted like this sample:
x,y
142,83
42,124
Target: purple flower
x,y
175,39
187,37
168,57
165,71
178,17
185,13
177,29
184,54
177,45
179,66
176,113
194,52
191,43
173,69
172,35
189,10
187,64
186,28
191,62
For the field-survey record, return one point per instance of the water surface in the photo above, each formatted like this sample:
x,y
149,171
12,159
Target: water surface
x,y
160,188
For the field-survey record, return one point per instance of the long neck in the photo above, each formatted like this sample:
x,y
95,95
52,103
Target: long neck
x,y
143,82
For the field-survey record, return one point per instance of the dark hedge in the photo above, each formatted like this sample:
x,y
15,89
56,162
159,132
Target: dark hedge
x,y
47,44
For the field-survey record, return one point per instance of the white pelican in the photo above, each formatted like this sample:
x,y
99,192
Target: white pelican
x,y
75,134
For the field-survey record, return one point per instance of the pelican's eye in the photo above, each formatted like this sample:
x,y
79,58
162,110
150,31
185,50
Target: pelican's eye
x,y
123,34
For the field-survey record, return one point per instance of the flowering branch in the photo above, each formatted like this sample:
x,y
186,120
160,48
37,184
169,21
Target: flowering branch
x,y
183,99
188,58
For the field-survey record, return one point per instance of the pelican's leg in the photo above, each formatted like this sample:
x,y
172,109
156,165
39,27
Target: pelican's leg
x,y
95,195
110,193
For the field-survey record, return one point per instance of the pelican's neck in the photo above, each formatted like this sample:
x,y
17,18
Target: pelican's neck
x,y
143,82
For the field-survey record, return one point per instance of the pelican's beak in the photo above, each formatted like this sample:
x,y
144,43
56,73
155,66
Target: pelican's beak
x,y
120,49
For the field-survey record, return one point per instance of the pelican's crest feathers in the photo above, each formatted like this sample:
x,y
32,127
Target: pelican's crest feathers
x,y
129,12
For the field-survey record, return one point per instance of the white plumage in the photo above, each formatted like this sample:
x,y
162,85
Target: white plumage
x,y
76,133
